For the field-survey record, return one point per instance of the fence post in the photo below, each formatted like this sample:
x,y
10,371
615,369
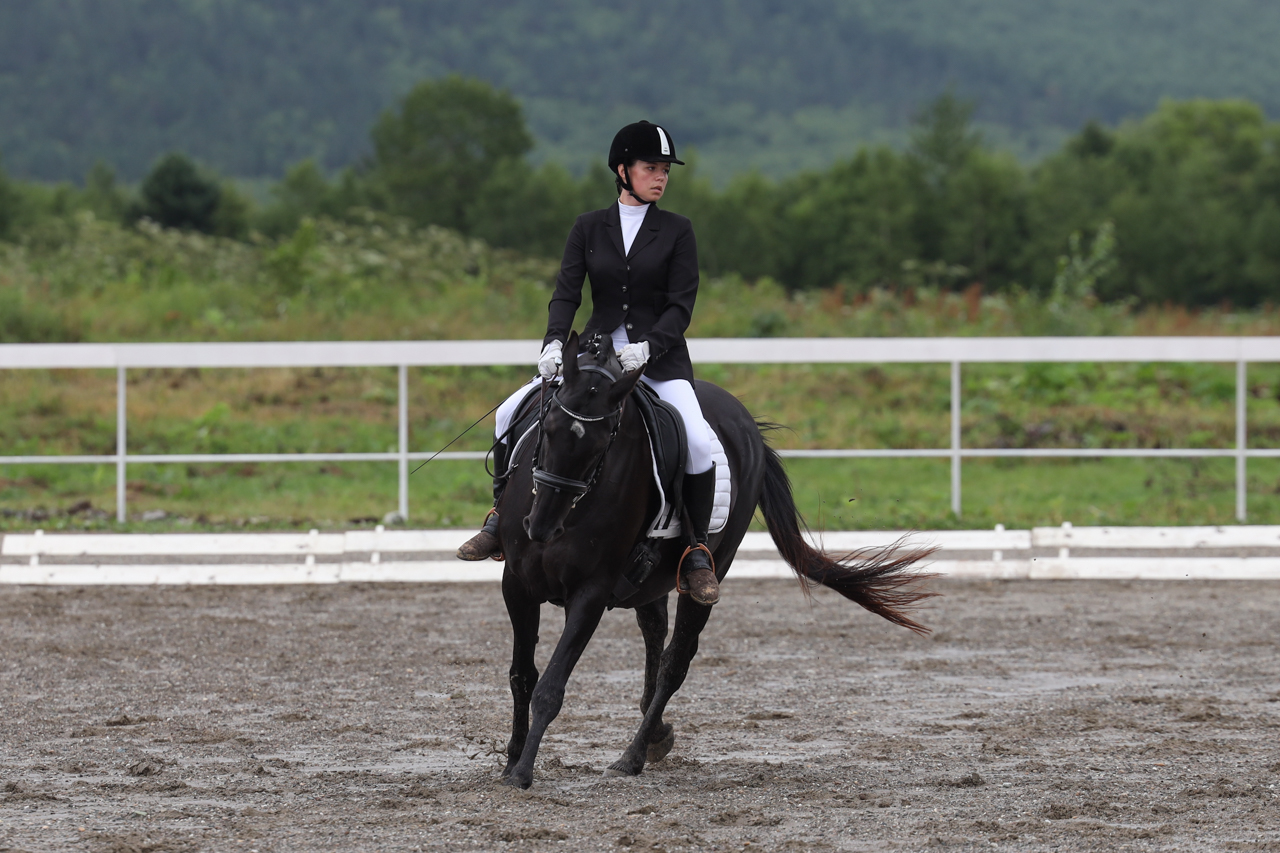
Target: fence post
x,y
121,445
955,438
404,442
1242,398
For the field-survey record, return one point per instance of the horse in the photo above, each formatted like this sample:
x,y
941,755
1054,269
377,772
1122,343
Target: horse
x,y
579,497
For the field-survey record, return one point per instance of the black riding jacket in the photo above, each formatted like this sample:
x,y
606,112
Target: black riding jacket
x,y
652,289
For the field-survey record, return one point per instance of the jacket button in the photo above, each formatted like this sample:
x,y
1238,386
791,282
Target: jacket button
x,y
628,326
628,266
624,288
625,306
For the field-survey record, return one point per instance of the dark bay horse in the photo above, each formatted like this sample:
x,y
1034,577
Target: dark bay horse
x,y
569,539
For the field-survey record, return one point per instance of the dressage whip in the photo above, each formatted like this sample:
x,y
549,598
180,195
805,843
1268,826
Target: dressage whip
x,y
459,435
541,394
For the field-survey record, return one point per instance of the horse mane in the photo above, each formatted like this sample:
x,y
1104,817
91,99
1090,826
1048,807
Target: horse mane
x,y
599,349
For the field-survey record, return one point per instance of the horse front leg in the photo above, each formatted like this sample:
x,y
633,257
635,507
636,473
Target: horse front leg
x,y
525,615
691,618
582,616
652,619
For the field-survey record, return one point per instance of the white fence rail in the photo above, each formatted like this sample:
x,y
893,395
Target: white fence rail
x,y
1239,351
1043,553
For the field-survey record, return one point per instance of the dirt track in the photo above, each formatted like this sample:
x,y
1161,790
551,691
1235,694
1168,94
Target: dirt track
x,y
1040,716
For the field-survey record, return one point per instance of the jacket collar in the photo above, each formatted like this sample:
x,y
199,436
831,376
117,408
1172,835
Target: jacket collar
x,y
648,229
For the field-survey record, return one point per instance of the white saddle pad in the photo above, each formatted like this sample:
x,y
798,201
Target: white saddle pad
x,y
666,527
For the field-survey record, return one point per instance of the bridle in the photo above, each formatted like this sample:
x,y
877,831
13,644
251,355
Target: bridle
x,y
578,488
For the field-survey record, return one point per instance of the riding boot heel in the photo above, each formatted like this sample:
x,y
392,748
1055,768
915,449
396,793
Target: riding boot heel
x,y
485,544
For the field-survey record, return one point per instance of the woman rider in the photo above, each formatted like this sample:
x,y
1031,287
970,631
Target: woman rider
x,y
643,265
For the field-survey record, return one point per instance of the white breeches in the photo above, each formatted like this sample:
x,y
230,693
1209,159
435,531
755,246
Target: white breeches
x,y
507,410
677,392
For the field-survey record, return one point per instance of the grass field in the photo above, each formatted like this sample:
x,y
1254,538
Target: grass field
x,y
353,410
385,280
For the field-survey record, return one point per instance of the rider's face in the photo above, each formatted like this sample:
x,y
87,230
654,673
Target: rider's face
x,y
648,180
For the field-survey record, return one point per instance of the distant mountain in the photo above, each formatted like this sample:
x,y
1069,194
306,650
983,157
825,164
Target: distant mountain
x,y
250,86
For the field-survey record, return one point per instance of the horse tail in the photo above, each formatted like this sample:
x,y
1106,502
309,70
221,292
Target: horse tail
x,y
881,580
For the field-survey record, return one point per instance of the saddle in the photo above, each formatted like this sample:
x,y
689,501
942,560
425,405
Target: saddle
x,y
667,440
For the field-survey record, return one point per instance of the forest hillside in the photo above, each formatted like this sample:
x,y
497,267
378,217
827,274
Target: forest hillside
x,y
249,87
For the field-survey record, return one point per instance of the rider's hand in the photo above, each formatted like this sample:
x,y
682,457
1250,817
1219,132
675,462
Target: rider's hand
x,y
549,362
634,355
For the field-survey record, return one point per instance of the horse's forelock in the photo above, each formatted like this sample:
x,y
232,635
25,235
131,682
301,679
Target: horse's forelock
x,y
576,393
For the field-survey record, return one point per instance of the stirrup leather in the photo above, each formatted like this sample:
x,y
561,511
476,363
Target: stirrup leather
x,y
498,557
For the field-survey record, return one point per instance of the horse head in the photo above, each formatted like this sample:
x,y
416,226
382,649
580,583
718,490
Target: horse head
x,y
578,428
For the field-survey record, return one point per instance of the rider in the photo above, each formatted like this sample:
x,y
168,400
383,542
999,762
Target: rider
x,y
643,265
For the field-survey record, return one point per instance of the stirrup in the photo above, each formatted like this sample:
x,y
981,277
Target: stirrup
x,y
485,531
681,587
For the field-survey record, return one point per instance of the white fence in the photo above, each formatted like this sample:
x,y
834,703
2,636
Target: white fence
x,y
1239,351
1043,553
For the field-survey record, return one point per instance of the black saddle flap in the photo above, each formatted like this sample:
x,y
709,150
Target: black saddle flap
x,y
526,414
670,451
670,443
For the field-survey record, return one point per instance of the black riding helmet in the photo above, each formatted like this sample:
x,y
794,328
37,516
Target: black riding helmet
x,y
640,141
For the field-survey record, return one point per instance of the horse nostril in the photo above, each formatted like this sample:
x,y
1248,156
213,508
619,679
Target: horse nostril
x,y
555,534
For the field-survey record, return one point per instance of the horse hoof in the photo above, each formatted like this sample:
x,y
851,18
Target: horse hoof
x,y
622,768
514,781
660,750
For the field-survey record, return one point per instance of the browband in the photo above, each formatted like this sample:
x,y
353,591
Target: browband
x,y
603,371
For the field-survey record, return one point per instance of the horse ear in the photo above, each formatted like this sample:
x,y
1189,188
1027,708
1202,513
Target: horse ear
x,y
625,385
569,358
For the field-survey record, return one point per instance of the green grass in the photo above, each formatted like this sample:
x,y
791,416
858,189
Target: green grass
x,y
384,280
915,494
831,494
902,406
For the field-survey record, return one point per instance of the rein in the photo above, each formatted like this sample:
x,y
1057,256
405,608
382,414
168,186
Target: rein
x,y
578,488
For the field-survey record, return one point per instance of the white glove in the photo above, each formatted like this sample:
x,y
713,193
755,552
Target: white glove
x,y
634,355
549,362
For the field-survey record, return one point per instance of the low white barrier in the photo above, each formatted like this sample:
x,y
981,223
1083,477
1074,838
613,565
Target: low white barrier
x,y
426,556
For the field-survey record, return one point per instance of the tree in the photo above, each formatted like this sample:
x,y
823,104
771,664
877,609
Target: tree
x,y
942,138
176,195
9,204
853,223
1194,192
102,194
970,202
449,137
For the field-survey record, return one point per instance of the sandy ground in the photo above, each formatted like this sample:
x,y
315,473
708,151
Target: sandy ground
x,y
1039,716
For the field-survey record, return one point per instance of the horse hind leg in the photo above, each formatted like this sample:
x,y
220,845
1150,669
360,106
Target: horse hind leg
x,y
652,619
691,618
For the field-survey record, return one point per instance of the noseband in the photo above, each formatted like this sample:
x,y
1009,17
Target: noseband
x,y
578,488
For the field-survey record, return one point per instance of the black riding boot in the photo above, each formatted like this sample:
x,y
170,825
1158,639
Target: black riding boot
x,y
697,572
485,543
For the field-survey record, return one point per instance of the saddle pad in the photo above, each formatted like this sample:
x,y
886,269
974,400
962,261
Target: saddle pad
x,y
667,527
